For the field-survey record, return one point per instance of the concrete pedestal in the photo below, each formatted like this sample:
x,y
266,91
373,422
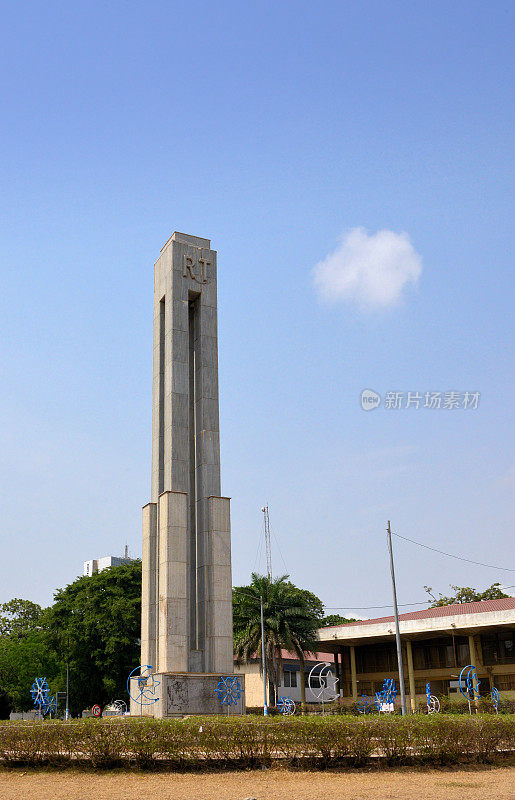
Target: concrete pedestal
x,y
182,694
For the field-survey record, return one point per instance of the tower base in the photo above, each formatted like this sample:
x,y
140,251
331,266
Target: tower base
x,y
180,694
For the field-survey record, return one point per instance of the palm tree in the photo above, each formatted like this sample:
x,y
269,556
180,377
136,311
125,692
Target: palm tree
x,y
289,624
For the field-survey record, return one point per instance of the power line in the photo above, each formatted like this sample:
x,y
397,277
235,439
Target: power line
x,y
258,554
450,555
389,605
364,608
268,544
280,551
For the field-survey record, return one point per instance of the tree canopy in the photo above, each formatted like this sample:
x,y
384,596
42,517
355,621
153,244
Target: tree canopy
x,y
19,617
335,619
465,594
94,625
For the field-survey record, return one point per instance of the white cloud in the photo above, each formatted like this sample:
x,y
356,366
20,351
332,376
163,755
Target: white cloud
x,y
370,271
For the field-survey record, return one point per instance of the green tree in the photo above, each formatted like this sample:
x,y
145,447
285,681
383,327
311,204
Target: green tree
x,y
290,623
465,594
312,603
19,617
335,619
94,624
21,660
24,653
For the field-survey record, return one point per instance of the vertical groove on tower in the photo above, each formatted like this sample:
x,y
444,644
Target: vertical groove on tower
x,y
193,483
162,367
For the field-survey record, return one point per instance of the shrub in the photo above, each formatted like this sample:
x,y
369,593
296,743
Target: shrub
x,y
250,741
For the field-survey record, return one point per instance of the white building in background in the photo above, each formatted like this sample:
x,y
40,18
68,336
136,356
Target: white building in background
x,y
98,564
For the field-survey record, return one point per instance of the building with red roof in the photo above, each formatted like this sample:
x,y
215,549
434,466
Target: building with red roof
x,y
436,643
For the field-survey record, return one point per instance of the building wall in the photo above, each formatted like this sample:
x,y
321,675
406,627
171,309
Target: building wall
x,y
99,564
439,661
291,675
253,684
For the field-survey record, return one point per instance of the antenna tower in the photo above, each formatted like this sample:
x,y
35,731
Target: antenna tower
x,y
268,546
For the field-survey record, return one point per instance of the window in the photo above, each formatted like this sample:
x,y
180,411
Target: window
x,y
440,653
498,648
505,683
376,658
315,681
290,680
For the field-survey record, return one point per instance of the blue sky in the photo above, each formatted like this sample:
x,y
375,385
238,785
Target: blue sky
x,y
276,130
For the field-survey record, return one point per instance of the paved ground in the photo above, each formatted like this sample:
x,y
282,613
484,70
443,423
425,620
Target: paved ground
x,y
274,784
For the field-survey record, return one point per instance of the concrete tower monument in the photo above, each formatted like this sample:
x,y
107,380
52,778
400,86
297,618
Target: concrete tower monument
x,y
186,621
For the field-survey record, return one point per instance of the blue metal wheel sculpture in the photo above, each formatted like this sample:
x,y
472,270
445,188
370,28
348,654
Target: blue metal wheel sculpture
x,y
365,704
389,690
39,693
286,706
146,686
228,690
50,706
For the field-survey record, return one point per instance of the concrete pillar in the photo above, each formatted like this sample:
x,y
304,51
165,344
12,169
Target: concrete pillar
x,y
173,581
338,673
217,582
353,675
474,661
411,676
491,681
148,586
479,651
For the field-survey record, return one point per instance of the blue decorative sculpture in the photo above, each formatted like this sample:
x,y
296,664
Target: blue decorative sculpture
x,y
469,684
50,706
389,690
146,684
364,704
495,699
39,693
385,699
433,703
228,690
286,706
45,703
322,682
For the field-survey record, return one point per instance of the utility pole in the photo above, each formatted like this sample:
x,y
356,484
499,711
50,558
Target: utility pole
x,y
397,632
67,712
263,660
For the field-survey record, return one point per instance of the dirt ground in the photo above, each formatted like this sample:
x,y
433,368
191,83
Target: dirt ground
x,y
274,784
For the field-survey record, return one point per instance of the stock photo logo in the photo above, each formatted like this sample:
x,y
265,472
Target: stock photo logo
x,y
430,400
370,399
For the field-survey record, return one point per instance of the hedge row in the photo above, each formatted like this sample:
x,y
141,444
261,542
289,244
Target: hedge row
x,y
484,706
244,741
